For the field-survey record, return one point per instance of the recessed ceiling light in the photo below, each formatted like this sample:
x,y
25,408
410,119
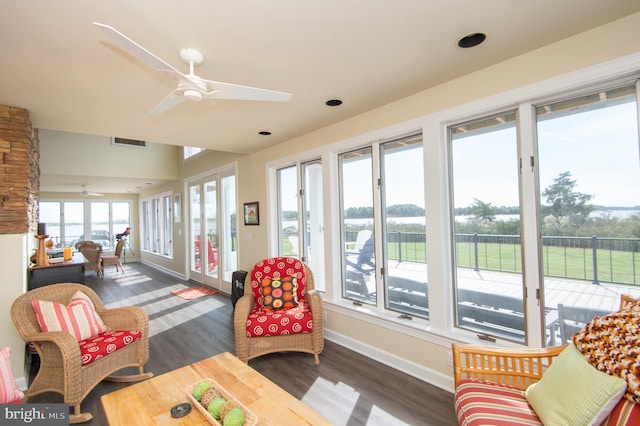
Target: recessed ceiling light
x,y
333,102
472,40
264,133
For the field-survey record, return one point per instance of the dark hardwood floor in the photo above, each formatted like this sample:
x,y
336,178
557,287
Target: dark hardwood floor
x,y
346,388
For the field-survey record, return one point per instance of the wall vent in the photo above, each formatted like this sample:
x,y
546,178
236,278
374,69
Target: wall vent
x,y
128,142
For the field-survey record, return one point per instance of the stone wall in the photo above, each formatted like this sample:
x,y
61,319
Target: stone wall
x,y
19,171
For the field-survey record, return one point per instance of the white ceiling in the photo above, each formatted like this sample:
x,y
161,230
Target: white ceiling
x,y
72,77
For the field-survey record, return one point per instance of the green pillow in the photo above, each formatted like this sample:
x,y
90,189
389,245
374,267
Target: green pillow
x,y
573,392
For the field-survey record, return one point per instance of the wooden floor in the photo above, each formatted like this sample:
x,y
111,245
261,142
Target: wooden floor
x,y
346,388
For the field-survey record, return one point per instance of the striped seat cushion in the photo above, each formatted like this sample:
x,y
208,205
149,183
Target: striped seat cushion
x,y
625,413
483,403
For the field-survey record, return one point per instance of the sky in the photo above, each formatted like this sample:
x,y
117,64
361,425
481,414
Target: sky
x,y
599,147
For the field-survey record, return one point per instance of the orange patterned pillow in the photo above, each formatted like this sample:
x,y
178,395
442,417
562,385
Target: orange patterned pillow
x,y
79,318
279,292
612,344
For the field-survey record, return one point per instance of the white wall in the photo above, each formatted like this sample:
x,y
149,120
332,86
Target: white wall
x,y
16,251
95,156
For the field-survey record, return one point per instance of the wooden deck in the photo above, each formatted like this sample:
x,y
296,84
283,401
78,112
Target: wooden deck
x,y
557,291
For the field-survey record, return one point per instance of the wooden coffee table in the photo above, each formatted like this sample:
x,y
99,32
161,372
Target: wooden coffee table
x,y
149,402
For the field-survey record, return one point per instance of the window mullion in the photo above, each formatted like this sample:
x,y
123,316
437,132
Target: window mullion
x,y
529,224
378,227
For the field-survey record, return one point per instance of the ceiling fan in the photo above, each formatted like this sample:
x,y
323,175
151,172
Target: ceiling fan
x,y
86,193
190,86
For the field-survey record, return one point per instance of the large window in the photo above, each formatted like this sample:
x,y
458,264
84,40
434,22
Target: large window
x,y
288,217
357,220
404,237
512,219
588,205
546,215
69,222
302,235
486,226
385,181
156,219
190,151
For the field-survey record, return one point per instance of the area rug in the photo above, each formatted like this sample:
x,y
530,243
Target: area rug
x,y
194,292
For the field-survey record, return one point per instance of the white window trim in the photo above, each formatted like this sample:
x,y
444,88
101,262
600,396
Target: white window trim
x,y
160,226
439,329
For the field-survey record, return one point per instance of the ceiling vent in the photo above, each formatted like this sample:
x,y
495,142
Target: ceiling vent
x,y
128,142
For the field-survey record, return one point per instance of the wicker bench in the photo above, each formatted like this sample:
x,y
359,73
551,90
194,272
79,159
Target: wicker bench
x,y
490,383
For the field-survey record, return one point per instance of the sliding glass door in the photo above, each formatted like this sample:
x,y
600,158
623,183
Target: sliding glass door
x,y
212,236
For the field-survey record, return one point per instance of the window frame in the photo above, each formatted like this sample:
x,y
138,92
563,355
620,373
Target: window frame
x,y
189,152
440,329
156,224
87,224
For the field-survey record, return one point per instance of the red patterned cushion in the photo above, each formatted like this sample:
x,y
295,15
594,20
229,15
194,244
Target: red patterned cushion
x,y
278,322
277,267
482,403
624,413
103,344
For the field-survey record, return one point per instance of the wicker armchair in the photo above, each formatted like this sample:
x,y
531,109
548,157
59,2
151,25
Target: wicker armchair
x,y
92,252
264,336
61,368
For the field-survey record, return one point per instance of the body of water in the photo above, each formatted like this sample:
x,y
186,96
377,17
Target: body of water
x,y
619,214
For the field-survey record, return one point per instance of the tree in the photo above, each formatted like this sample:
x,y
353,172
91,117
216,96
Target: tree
x,y
564,203
482,212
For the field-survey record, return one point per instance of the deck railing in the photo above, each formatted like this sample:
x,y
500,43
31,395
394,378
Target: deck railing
x,y
595,259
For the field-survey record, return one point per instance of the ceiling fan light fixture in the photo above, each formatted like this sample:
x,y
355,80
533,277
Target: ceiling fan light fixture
x,y
192,95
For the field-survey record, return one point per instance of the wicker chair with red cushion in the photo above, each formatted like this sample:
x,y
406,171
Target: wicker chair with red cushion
x,y
80,342
280,311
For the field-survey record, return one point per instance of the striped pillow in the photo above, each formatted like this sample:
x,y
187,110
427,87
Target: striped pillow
x,y
625,413
9,391
79,318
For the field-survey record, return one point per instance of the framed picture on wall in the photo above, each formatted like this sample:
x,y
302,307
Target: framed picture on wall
x,y
251,213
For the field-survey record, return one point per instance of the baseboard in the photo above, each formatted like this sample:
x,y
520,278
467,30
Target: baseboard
x,y
164,270
411,368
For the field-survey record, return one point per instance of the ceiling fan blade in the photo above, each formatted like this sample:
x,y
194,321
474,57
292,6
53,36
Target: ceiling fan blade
x,y
86,193
247,93
135,49
170,101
